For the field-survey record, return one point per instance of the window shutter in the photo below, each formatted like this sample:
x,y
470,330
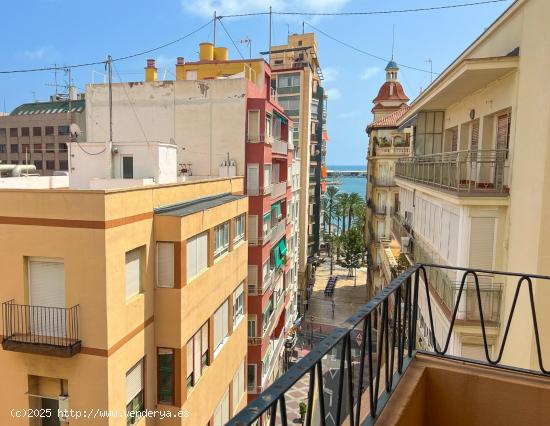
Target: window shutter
x,y
191,257
47,282
482,241
165,265
202,252
132,273
197,355
189,358
134,381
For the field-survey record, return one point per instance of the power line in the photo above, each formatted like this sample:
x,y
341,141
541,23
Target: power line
x,y
122,58
375,12
349,46
230,38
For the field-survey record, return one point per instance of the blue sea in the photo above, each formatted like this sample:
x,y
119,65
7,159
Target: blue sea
x,y
351,184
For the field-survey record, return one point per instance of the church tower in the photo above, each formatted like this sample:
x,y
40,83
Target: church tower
x,y
391,95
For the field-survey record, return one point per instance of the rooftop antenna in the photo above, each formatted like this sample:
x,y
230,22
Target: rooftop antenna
x,y
248,41
270,23
287,29
429,61
392,40
214,23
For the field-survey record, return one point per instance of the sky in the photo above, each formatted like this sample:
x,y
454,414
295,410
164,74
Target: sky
x,y
40,33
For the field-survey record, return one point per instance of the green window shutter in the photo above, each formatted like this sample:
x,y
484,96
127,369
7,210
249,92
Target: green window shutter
x,y
278,260
282,247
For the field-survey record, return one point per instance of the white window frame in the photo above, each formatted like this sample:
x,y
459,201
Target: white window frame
x,y
221,327
239,228
221,239
193,244
238,305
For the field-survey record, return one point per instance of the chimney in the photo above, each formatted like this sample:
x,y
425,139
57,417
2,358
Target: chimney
x,y
180,68
150,70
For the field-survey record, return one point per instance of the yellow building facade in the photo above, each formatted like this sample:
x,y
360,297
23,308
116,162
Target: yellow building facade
x,y
124,300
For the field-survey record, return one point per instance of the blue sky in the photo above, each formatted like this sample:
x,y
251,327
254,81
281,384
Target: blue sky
x,y
45,32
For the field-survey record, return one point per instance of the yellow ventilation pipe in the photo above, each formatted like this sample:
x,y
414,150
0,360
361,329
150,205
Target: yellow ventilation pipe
x,y
221,54
206,52
150,70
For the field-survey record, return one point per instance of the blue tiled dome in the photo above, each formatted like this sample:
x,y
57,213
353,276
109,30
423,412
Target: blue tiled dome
x,y
392,65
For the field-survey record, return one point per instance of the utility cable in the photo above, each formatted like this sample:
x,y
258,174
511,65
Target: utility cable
x,y
122,58
231,38
349,46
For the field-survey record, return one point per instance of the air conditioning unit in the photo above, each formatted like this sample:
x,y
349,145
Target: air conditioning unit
x,y
405,244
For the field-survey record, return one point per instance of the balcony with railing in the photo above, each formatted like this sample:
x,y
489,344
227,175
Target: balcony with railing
x,y
279,147
481,171
40,329
278,189
256,190
370,369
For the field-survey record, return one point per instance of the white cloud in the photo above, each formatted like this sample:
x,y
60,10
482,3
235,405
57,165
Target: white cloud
x,y
333,94
330,74
206,8
369,72
349,114
42,52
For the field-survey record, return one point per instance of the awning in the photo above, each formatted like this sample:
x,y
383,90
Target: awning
x,y
276,209
278,260
282,247
282,118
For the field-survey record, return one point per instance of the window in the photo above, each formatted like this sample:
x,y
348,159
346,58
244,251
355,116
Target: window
x,y
221,325
251,327
221,414
2,133
62,130
50,164
290,102
26,148
127,167
24,131
197,255
2,148
267,129
63,165
221,239
240,226
253,229
289,80
266,225
238,305
63,147
134,393
37,147
251,377
37,131
133,273
50,147
253,126
38,164
13,132
197,355
49,130
165,374
165,264
238,386
267,175
14,148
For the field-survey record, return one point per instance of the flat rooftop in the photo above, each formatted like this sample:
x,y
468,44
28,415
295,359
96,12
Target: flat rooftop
x,y
189,207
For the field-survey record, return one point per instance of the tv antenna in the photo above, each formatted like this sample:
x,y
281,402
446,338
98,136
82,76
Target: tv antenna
x,y
248,41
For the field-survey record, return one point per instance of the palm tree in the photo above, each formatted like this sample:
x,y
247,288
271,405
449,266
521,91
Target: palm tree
x,y
354,199
342,202
329,197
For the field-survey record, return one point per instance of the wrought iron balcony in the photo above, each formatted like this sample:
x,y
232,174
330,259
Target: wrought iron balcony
x,y
483,171
40,329
348,381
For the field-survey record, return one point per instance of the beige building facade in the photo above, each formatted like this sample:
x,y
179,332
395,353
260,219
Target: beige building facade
x,y
125,300
475,190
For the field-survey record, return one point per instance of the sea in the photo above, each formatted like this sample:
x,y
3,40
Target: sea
x,y
351,184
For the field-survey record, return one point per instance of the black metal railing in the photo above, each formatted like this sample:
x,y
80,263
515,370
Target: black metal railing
x,y
40,325
349,381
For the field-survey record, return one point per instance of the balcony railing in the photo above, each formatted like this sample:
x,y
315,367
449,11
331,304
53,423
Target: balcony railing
x,y
348,379
40,329
279,147
382,180
258,191
278,189
460,171
278,231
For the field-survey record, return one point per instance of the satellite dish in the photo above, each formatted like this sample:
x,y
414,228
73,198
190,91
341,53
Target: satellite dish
x,y
74,129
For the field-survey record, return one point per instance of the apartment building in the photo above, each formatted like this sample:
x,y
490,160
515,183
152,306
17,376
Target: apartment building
x,y
474,191
386,145
297,82
38,133
127,297
223,119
